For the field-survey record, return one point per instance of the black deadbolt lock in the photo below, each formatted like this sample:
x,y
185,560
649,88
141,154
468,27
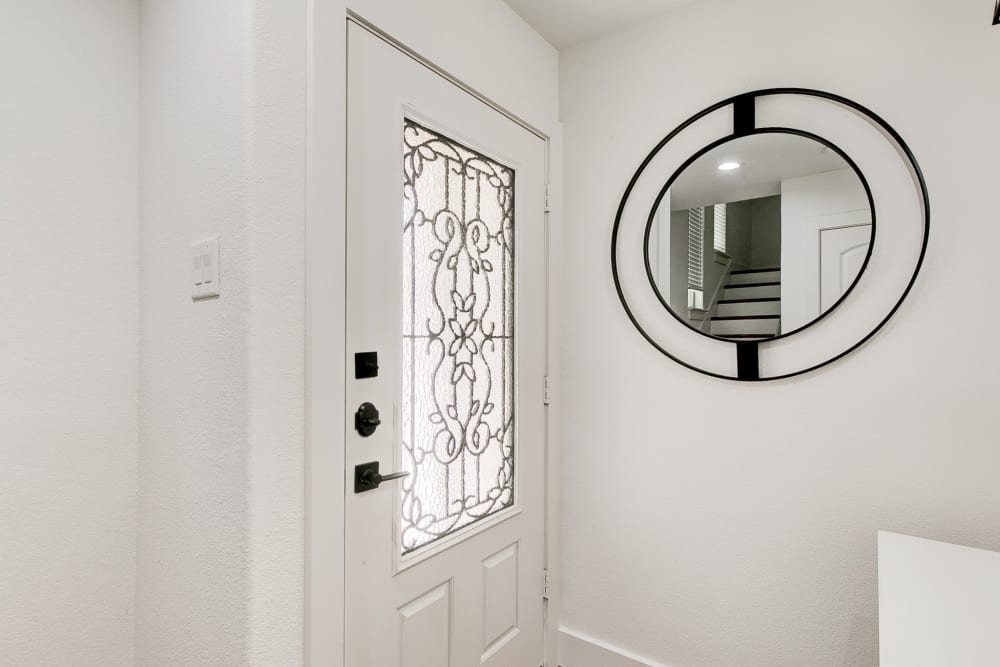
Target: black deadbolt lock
x,y
365,365
366,419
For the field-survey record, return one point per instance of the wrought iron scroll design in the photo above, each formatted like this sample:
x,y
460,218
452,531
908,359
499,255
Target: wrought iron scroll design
x,y
457,420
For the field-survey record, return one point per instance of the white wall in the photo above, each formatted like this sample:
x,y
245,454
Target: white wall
x,y
222,151
67,332
276,332
756,546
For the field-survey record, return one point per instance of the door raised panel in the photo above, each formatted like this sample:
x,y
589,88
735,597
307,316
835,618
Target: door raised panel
x,y
426,629
499,599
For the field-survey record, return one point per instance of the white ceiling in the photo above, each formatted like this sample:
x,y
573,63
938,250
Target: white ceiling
x,y
766,159
566,22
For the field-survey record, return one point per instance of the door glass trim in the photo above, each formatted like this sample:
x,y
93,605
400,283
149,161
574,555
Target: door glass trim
x,y
403,562
459,329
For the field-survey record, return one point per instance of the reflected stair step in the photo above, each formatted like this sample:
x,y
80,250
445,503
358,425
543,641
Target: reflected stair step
x,y
740,272
755,291
760,307
747,336
766,299
748,276
761,325
769,283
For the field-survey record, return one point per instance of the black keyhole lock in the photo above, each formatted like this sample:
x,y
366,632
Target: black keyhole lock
x,y
366,419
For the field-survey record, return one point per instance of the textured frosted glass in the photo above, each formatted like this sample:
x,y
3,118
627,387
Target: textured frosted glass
x,y
458,336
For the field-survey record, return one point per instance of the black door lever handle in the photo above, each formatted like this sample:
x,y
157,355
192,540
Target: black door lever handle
x,y
367,477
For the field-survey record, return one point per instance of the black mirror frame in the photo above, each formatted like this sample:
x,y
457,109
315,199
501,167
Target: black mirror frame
x,y
744,124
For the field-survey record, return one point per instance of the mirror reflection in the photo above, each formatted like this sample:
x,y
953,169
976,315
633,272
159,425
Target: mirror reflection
x,y
760,236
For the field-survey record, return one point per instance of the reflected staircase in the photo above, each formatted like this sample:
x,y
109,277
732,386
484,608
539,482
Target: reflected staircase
x,y
750,306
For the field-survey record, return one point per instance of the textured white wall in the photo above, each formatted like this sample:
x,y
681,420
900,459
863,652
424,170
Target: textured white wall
x,y
745,534
222,136
67,331
192,601
276,332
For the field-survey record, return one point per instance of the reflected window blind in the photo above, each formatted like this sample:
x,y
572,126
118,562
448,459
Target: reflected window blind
x,y
696,243
719,218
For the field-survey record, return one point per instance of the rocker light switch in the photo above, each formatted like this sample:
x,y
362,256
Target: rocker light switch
x,y
205,268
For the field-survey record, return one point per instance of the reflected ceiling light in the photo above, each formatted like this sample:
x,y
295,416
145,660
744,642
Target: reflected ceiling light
x,y
729,166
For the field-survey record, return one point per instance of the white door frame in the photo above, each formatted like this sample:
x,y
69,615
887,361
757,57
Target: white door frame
x,y
326,372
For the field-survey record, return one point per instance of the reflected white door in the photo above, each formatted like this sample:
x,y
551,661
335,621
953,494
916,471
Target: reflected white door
x,y
446,283
842,253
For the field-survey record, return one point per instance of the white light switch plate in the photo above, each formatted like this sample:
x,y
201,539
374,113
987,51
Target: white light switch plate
x,y
205,268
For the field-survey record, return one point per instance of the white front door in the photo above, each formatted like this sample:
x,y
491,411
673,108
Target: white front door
x,y
842,252
446,285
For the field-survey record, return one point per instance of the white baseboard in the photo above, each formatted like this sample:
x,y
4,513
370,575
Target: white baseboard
x,y
579,650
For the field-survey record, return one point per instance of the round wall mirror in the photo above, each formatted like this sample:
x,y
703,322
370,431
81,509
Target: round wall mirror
x,y
759,236
754,220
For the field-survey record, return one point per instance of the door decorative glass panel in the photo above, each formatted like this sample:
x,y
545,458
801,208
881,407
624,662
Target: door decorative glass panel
x,y
457,421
